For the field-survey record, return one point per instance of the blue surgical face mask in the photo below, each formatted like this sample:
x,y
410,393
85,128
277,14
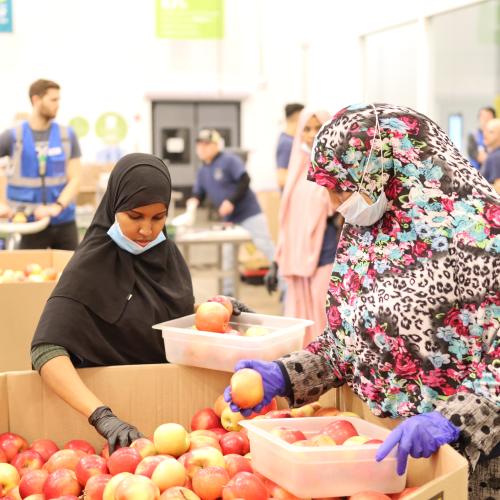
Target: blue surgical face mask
x,y
116,234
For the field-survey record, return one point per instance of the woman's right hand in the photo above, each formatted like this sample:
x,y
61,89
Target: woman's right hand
x,y
272,380
116,431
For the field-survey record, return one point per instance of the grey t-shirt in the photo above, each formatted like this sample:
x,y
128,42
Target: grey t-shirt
x,y
41,138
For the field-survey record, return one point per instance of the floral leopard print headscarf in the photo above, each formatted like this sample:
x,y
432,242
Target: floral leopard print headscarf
x,y
414,300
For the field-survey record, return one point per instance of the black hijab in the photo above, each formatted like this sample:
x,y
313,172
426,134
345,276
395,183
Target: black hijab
x,y
104,278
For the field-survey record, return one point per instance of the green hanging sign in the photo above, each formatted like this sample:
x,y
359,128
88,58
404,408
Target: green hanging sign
x,y
190,19
111,128
80,125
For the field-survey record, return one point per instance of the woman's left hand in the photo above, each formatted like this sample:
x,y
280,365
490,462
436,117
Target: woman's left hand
x,y
419,436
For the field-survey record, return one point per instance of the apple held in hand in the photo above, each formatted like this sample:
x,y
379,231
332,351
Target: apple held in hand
x,y
212,317
340,430
205,418
12,444
225,301
171,439
247,389
45,447
244,485
9,478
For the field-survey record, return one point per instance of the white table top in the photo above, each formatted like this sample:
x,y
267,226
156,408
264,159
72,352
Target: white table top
x,y
226,234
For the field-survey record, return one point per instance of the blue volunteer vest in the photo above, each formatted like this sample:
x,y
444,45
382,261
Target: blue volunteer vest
x,y
29,185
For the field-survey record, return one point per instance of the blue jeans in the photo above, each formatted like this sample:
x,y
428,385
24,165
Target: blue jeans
x,y
256,225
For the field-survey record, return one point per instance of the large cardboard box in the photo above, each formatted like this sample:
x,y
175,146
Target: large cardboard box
x,y
21,304
149,395
89,183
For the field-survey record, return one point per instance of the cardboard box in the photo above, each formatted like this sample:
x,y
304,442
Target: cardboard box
x,y
148,395
21,304
89,182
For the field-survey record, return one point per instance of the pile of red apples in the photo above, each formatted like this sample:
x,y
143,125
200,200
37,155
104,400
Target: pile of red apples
x,y
210,462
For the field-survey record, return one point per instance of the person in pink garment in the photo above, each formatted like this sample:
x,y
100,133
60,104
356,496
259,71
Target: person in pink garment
x,y
307,239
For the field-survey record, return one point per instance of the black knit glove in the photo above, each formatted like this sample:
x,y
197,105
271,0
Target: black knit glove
x,y
239,307
271,278
109,426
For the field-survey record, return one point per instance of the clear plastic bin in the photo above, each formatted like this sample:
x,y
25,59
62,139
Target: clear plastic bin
x,y
323,471
218,351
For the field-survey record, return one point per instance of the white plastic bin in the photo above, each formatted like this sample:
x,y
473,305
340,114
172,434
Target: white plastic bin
x,y
218,351
323,471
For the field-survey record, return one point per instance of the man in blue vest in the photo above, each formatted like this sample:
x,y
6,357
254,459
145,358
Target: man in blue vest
x,y
44,174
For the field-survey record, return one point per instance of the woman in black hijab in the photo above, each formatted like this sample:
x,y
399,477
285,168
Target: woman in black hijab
x,y
124,277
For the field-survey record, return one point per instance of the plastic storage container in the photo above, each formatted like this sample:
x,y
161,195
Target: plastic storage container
x,y
217,351
323,471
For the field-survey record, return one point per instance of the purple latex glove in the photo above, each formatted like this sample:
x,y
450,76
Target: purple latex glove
x,y
419,436
272,380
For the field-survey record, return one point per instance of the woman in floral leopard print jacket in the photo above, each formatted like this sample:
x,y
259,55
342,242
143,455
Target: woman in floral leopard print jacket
x,y
414,299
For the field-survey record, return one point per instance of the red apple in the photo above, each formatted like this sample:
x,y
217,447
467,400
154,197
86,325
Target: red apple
x,y
205,419
171,439
219,431
137,488
80,444
61,482
12,444
13,494
168,473
32,482
212,317
219,405
88,466
374,441
272,406
3,457
403,494
200,458
244,485
234,442
179,493
209,482
200,441
49,274
247,389
63,459
237,463
306,410
144,446
148,464
45,447
277,492
123,460
225,301
9,478
340,430
27,460
288,434
32,268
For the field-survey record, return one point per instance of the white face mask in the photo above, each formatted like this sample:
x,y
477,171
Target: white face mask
x,y
356,210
